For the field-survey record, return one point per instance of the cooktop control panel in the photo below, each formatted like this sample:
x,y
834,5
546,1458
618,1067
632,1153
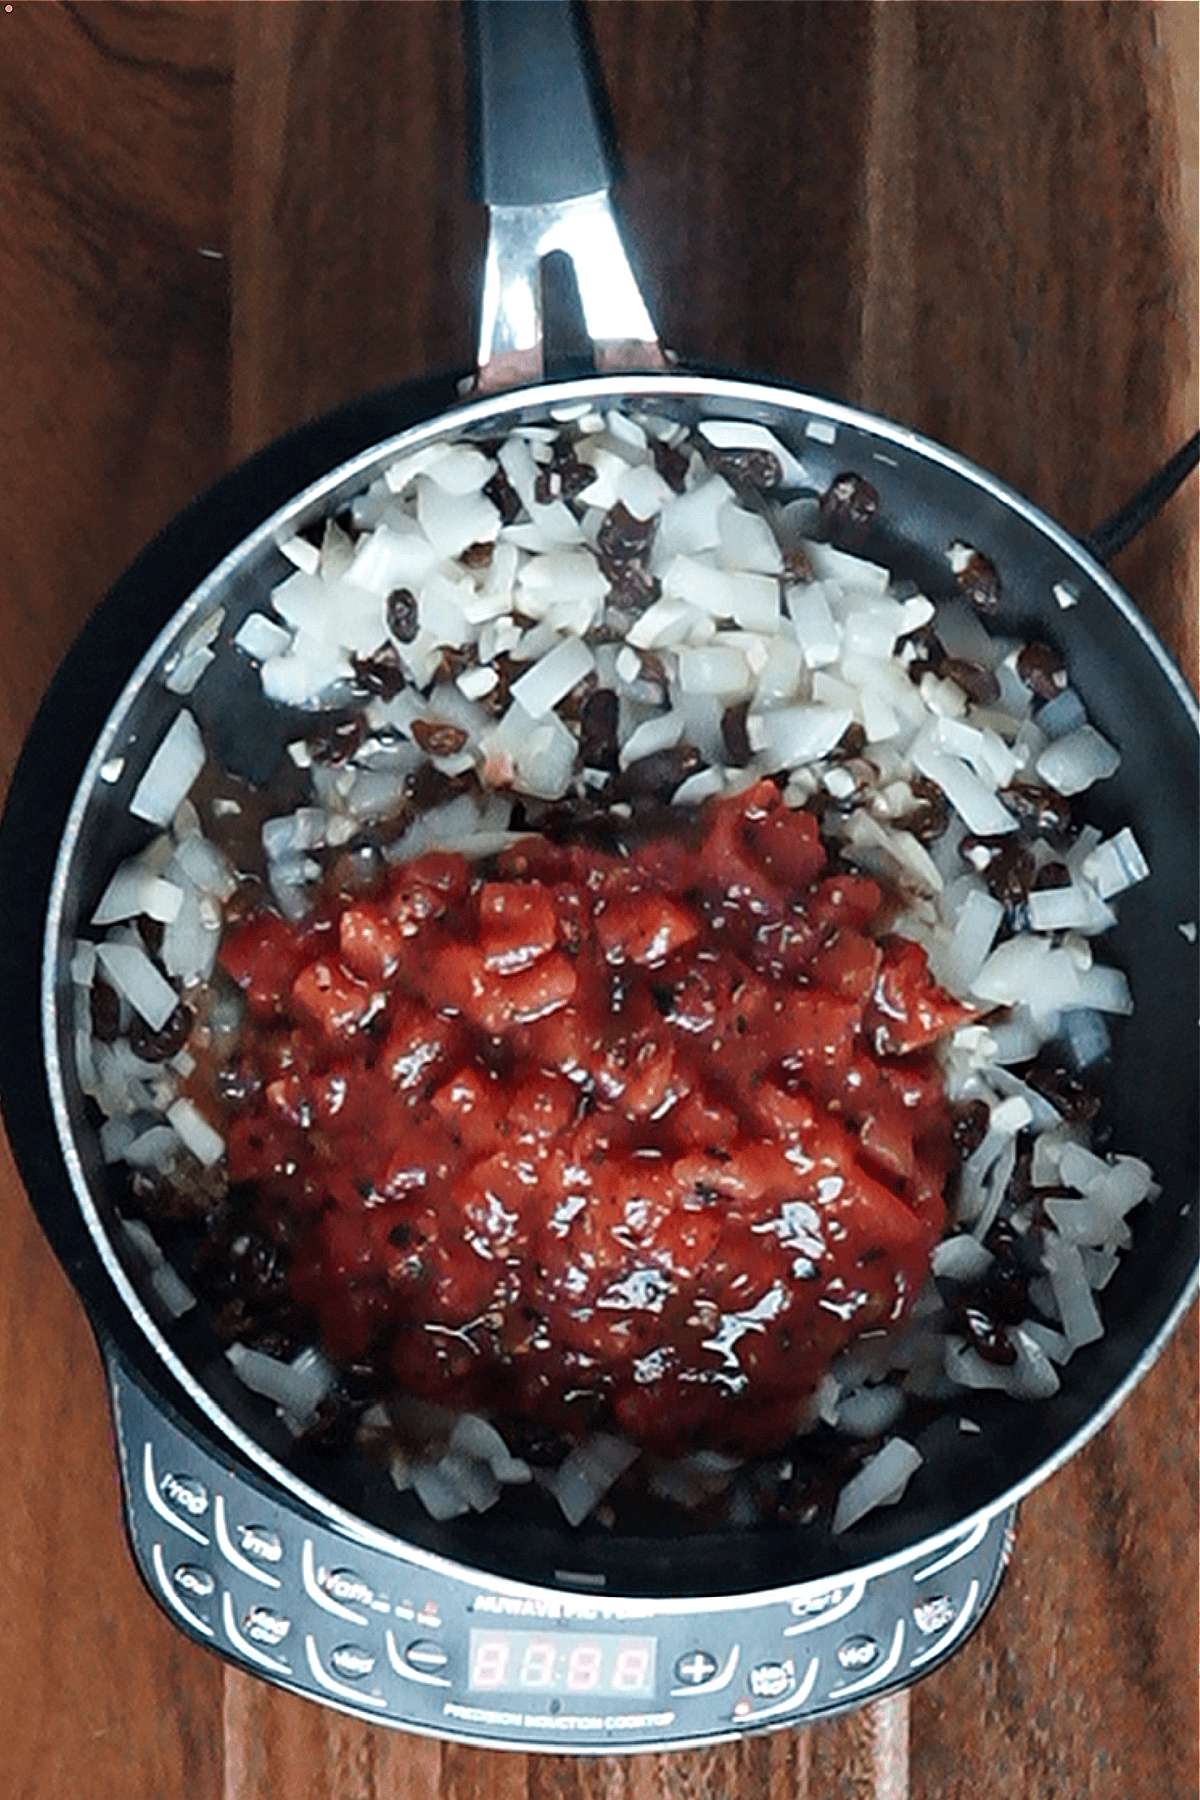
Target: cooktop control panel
x,y
242,1567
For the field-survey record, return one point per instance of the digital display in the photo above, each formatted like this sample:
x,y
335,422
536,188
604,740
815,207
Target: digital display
x,y
541,1662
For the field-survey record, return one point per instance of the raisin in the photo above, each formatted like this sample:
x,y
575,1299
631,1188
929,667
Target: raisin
x,y
622,538
1072,1096
633,588
970,1126
734,736
1039,810
659,774
1052,875
979,583
158,1046
984,1334
930,817
1042,670
797,567
976,680
380,673
504,497
564,476
848,506
402,618
478,556
437,737
105,1010
339,739
672,464
748,468
598,730
1009,872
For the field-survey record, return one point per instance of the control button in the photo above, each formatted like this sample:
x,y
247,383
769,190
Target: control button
x,y
185,1492
260,1543
197,1582
347,1587
262,1626
858,1652
934,1614
771,1679
807,1606
696,1667
423,1654
429,1615
249,1565
352,1662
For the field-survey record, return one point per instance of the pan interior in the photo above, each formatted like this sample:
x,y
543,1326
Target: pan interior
x,y
928,499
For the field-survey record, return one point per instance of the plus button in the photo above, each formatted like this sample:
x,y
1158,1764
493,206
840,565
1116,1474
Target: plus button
x,y
696,1668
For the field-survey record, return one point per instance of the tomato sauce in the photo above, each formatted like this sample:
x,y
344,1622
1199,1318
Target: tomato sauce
x,y
594,1141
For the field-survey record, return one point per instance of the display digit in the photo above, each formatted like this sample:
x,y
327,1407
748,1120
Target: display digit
x,y
583,1667
491,1662
537,1664
631,1668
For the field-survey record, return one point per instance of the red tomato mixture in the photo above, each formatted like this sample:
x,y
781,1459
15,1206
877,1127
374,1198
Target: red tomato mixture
x,y
594,1141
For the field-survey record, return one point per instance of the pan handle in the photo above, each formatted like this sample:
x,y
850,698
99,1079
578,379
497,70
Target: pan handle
x,y
541,168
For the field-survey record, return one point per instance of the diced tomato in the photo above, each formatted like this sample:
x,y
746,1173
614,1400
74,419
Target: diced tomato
x,y
542,1107
907,1010
786,842
847,964
517,925
333,1000
419,1046
644,928
370,945
263,955
472,1106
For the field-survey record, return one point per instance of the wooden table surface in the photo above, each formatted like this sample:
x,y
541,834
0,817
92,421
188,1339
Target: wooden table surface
x,y
218,220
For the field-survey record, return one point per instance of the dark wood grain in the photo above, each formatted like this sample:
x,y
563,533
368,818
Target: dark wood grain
x,y
217,221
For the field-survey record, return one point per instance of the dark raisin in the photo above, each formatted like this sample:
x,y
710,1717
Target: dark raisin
x,y
1052,875
403,620
1042,670
1009,871
564,476
930,817
380,673
598,730
338,739
1039,810
851,744
157,1046
622,538
151,932
984,1334
238,1083
797,567
977,682
979,583
733,734
478,556
671,463
504,497
747,468
970,1125
437,737
633,588
848,506
1070,1094
105,1010
657,775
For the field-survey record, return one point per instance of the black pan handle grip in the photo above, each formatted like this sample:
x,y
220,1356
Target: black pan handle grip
x,y
537,117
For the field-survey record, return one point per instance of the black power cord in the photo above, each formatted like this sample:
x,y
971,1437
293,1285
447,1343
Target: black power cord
x,y
1122,526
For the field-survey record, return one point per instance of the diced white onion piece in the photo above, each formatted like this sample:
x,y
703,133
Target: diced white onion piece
x,y
961,1258
713,669
791,735
854,573
975,803
817,631
1064,714
587,1473
662,732
477,681
438,1494
552,678
171,771
298,1387
132,890
301,554
747,542
1081,1321
134,975
745,434
690,521
1072,763
202,1139
881,1481
978,919
1086,1221
453,521
206,866
1116,864
462,470
753,600
476,1437
665,621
